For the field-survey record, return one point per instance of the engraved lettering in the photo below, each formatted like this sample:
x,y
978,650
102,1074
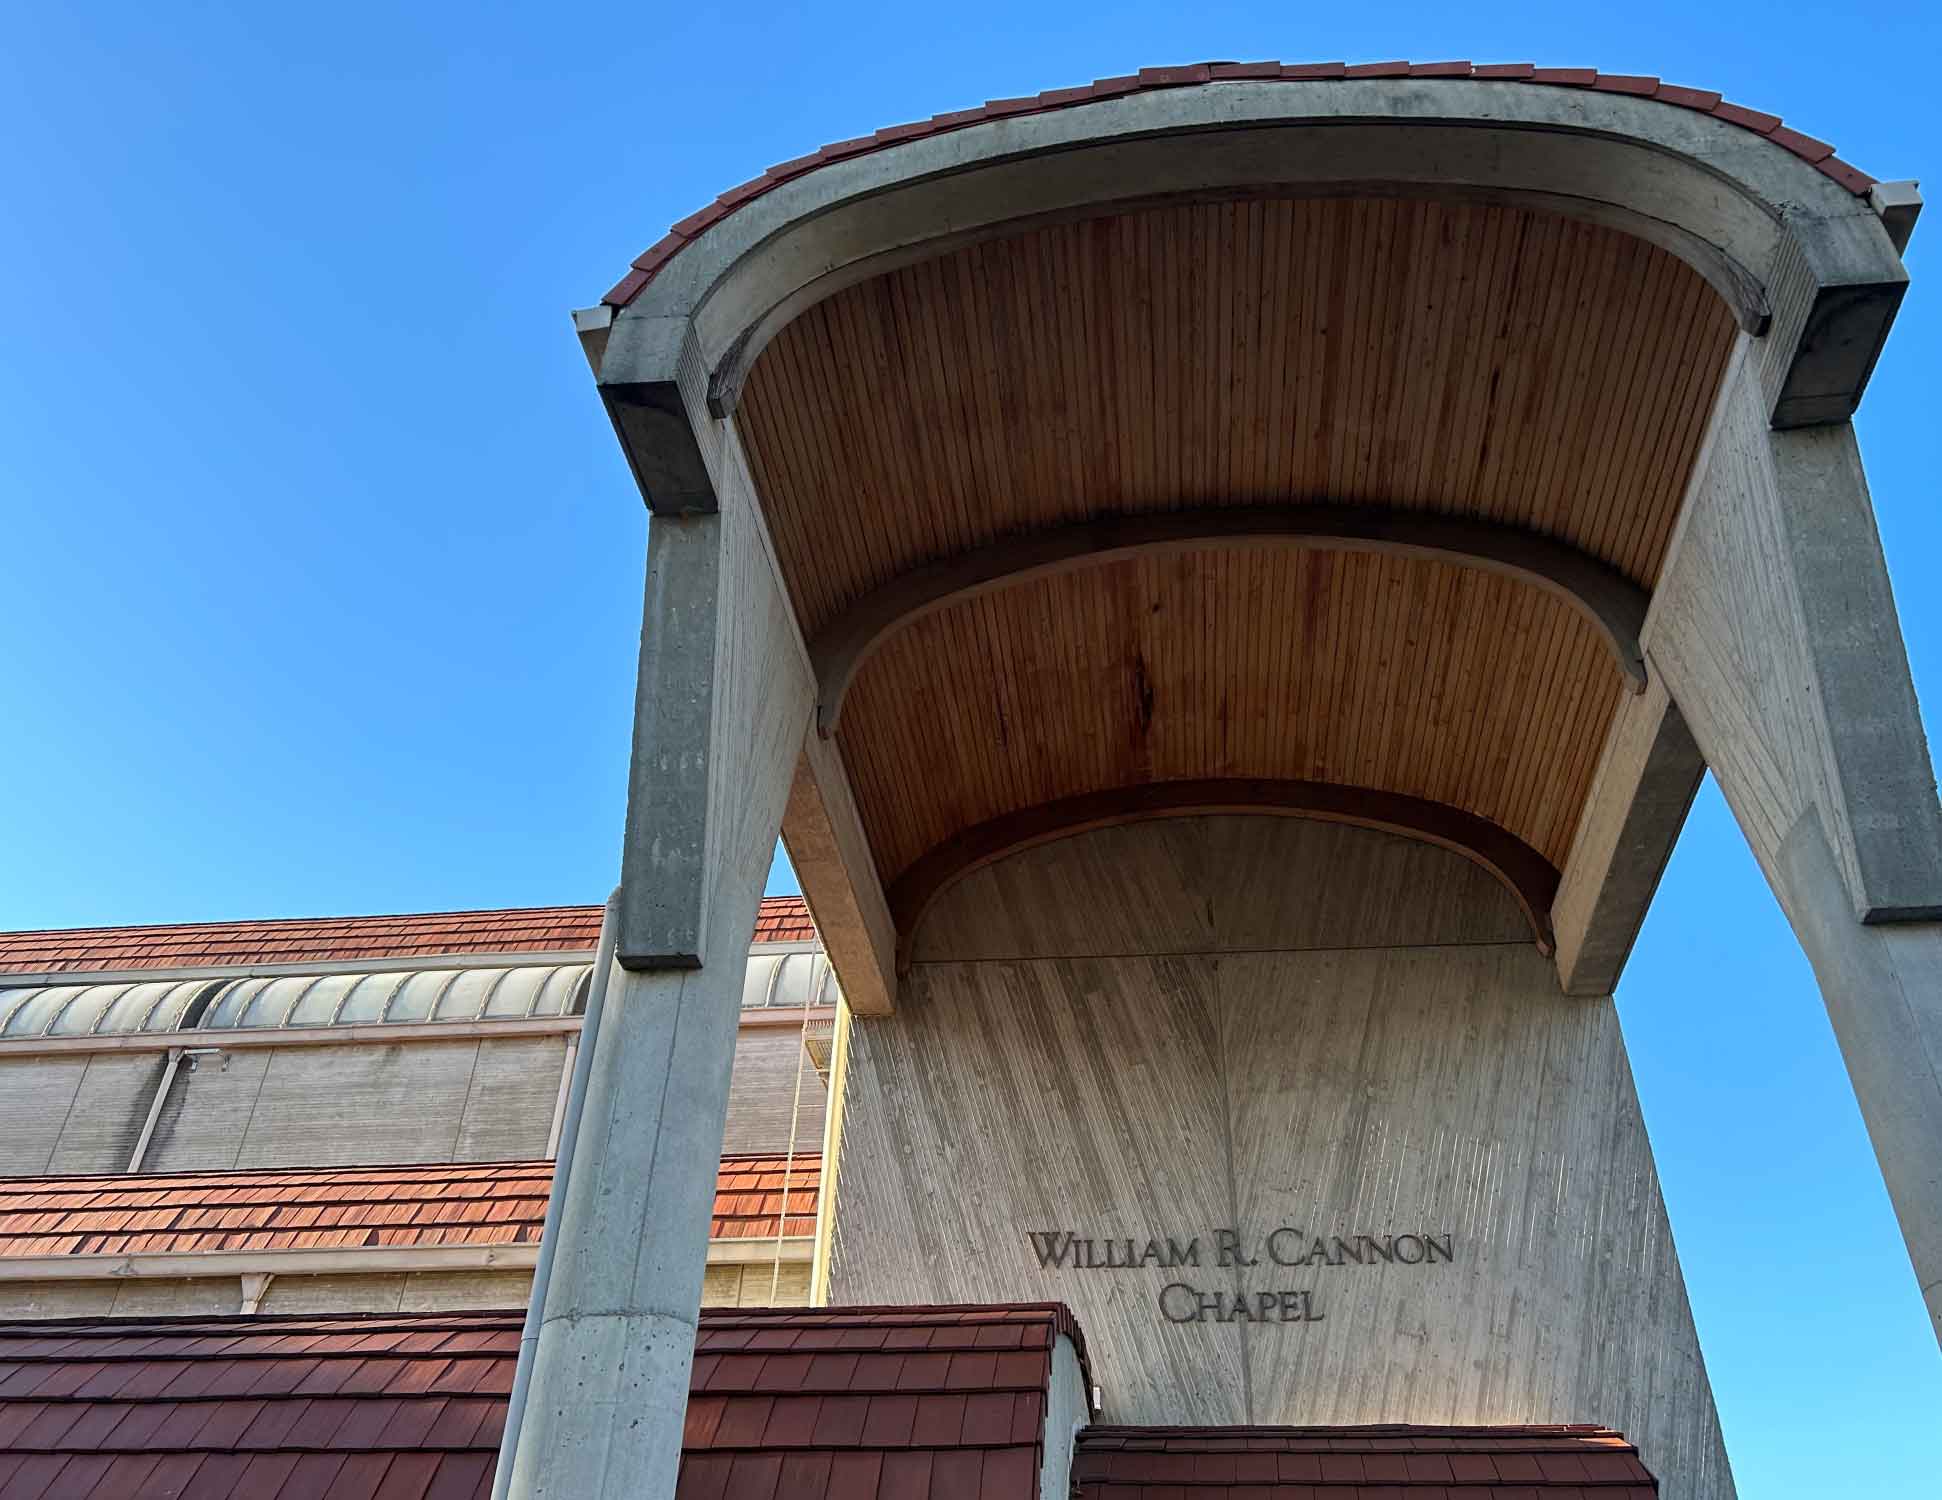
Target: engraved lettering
x,y
1406,1258
1052,1245
1193,1315
1228,1243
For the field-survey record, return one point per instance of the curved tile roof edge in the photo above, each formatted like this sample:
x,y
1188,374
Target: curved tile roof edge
x,y
1702,101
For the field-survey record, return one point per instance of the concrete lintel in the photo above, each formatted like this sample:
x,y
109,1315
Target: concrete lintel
x,y
192,1265
362,1260
790,1249
1648,772
832,859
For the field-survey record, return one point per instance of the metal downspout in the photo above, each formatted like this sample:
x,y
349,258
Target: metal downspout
x,y
603,963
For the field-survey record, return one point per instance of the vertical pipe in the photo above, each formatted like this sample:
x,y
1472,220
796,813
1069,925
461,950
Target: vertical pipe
x,y
568,1134
811,993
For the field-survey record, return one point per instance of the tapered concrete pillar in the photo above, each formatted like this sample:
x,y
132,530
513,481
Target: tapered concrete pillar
x,y
1774,630
724,701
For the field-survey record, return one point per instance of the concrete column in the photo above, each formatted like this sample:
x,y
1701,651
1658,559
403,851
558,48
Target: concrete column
x,y
1774,631
724,702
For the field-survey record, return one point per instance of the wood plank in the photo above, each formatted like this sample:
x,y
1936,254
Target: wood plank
x,y
1610,602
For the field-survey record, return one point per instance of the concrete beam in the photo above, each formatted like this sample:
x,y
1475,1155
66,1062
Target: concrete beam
x,y
1613,605
832,860
362,1260
1648,773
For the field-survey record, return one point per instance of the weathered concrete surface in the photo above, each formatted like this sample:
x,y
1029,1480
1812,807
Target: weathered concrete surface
x,y
713,763
1774,631
1239,1022
1883,988
1647,775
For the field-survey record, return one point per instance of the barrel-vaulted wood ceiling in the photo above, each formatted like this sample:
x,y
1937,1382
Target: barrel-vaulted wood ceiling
x,y
1474,360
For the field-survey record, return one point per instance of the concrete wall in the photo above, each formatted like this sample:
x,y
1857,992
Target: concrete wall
x,y
1231,1023
487,1099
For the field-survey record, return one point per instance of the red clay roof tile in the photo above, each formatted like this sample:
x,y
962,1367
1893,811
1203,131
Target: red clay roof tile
x,y
470,1203
1642,86
412,1417
201,945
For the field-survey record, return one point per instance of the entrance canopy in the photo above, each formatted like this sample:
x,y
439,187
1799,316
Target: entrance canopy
x,y
1303,440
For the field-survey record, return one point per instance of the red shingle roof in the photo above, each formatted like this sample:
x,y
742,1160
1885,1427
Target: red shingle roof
x,y
749,1196
197,945
871,1403
409,1408
1703,101
1355,1463
487,1203
856,1403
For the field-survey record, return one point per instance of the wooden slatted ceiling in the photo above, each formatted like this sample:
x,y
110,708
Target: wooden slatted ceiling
x,y
1466,359
1415,677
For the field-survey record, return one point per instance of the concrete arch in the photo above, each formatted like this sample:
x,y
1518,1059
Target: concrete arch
x,y
1530,878
1804,261
1612,603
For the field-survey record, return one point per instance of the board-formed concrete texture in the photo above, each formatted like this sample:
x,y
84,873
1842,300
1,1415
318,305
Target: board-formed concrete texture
x,y
1246,1024
1017,422
1774,630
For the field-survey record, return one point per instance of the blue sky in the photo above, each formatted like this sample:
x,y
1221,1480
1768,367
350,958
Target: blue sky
x,y
320,570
